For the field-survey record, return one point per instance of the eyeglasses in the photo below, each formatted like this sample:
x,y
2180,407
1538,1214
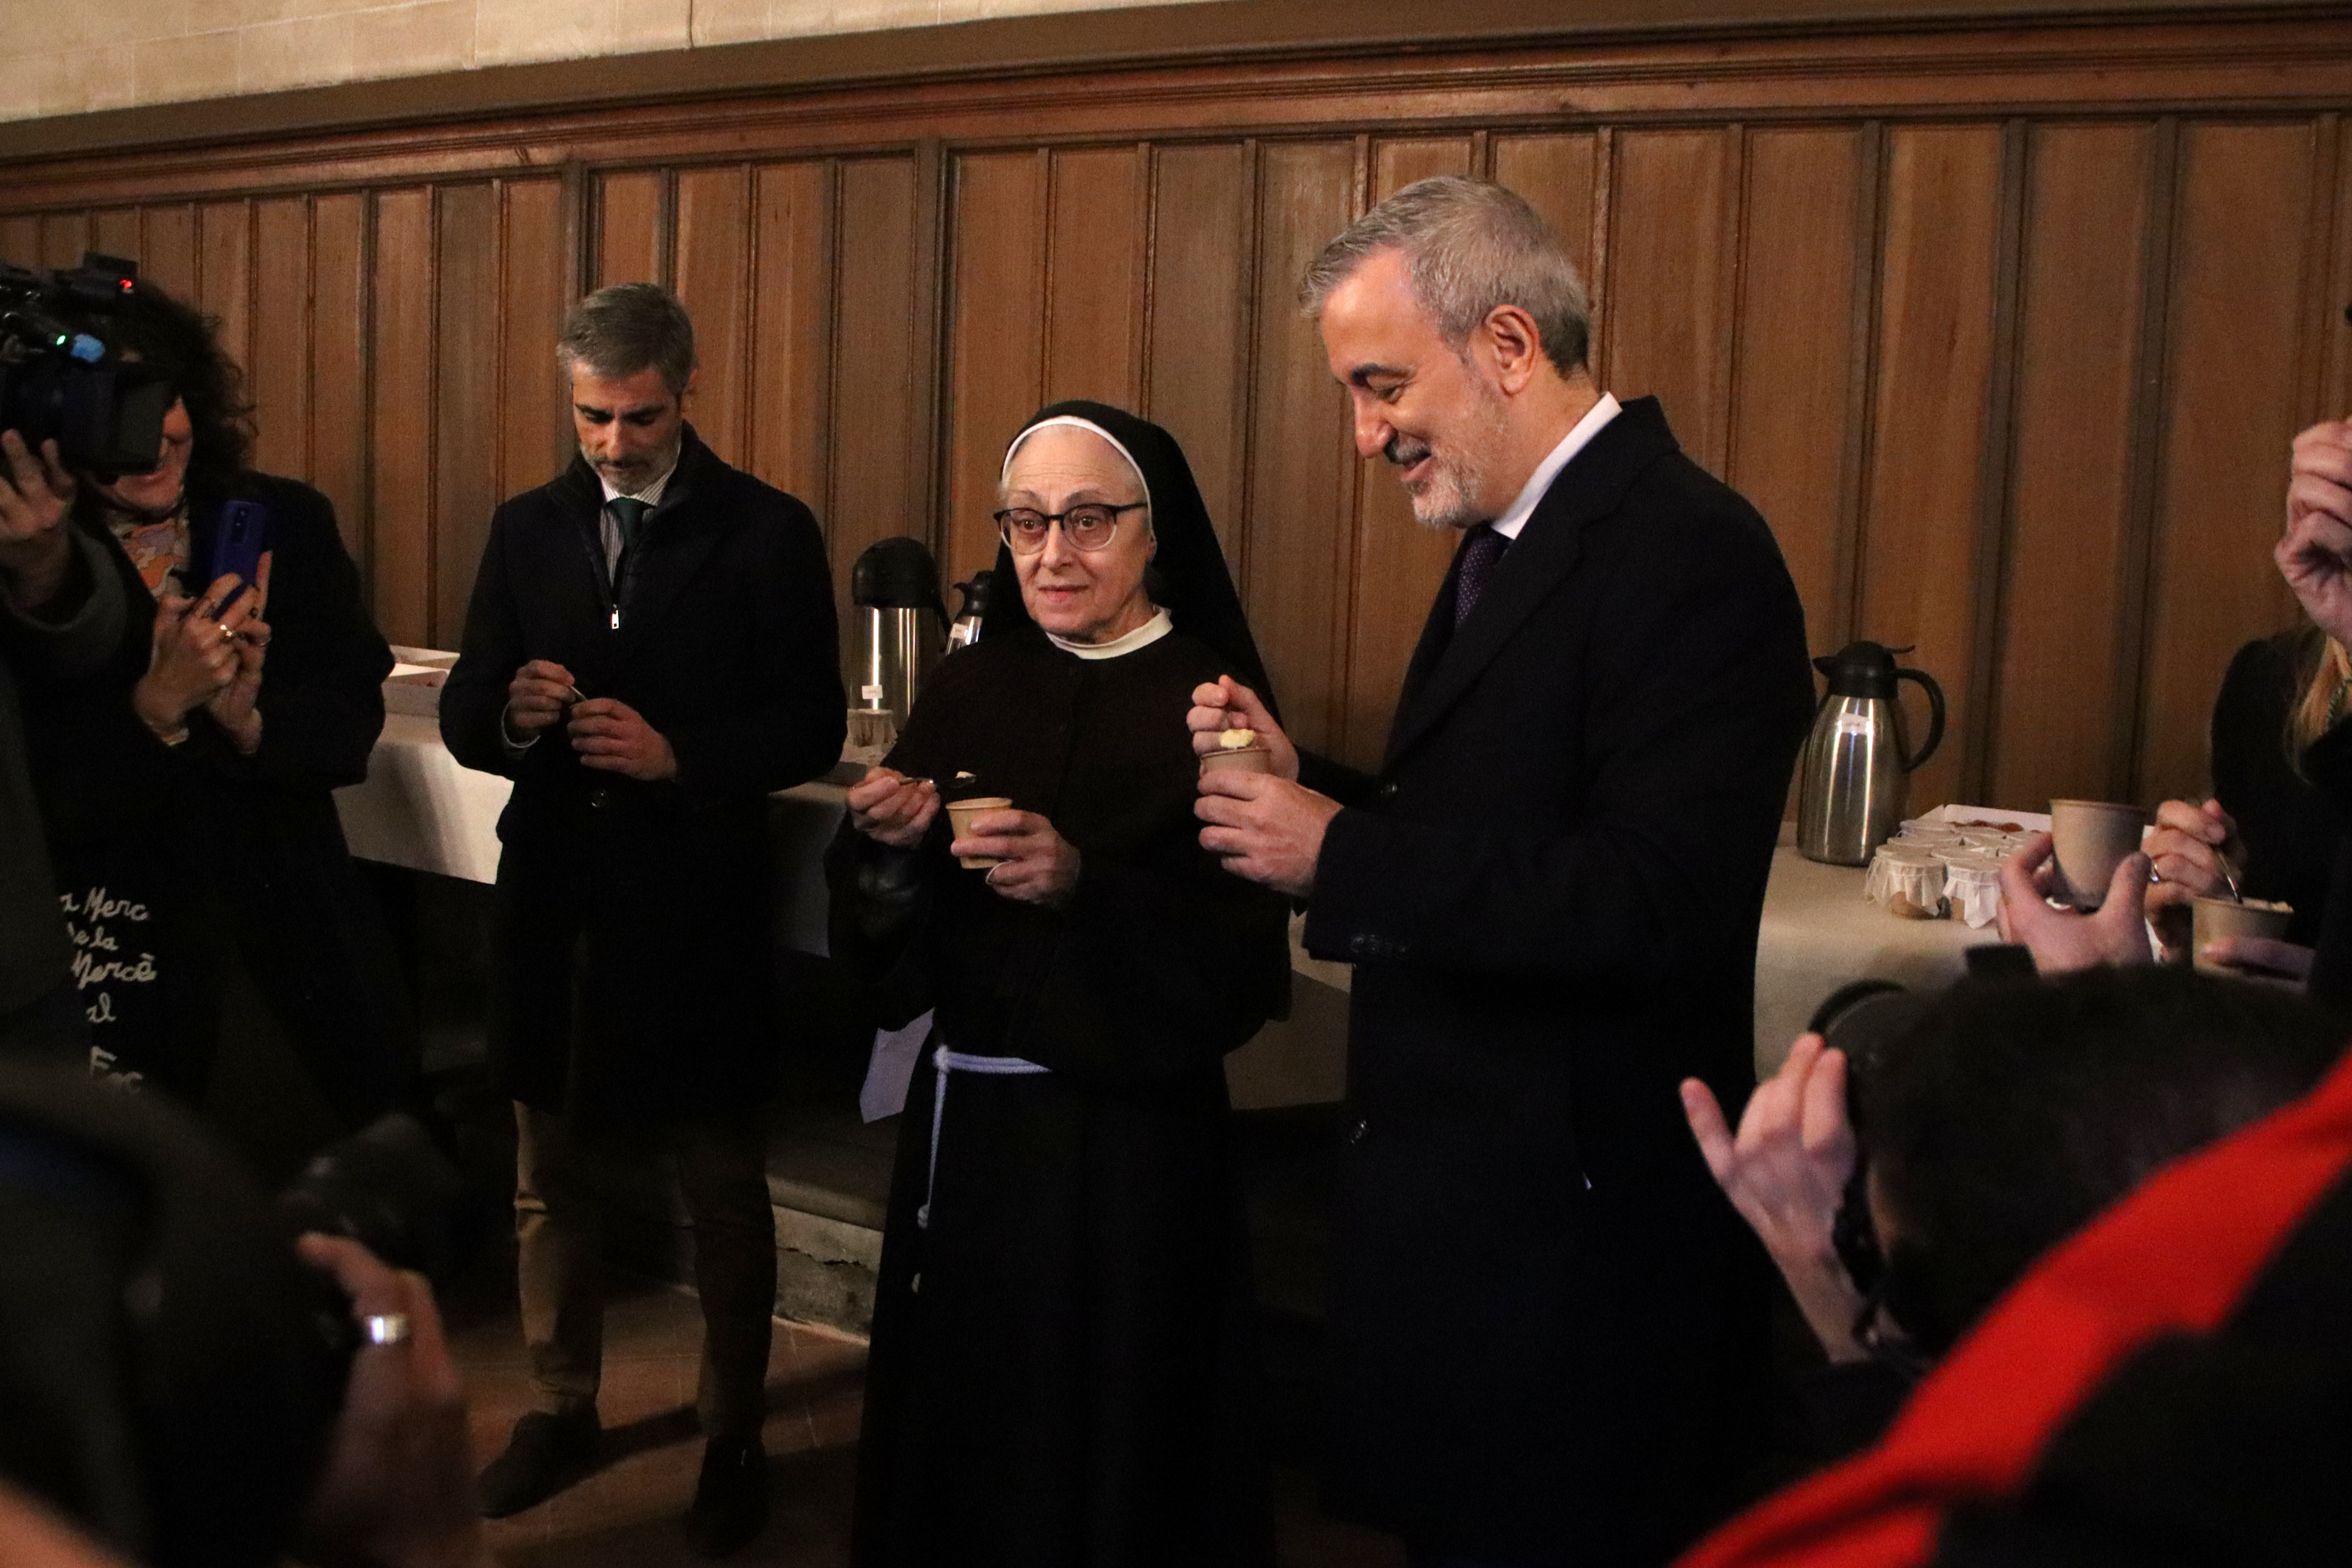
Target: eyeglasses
x,y
1090,527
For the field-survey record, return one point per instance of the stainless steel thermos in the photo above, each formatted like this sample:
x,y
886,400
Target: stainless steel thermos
x,y
1852,776
901,625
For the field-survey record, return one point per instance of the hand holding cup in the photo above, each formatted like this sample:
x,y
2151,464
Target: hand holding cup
x,y
1226,704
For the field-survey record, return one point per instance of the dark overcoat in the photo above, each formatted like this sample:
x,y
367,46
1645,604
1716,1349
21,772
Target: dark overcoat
x,y
247,849
1549,1324
651,898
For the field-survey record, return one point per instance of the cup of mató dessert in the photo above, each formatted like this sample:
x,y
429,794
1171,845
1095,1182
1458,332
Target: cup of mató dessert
x,y
1238,750
962,813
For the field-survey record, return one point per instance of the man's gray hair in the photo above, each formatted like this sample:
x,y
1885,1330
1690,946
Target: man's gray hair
x,y
1469,246
620,331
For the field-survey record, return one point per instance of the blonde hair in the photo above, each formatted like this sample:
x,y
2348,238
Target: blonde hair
x,y
2324,672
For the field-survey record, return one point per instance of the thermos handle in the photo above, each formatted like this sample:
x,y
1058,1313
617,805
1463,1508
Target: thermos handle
x,y
1935,716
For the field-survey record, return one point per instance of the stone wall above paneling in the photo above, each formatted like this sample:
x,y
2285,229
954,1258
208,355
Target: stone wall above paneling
x,y
122,54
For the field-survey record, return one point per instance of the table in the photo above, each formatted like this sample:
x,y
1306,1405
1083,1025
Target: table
x,y
1816,935
422,809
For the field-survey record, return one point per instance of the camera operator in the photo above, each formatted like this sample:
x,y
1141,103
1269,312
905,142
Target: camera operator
x,y
187,783
1989,1124
397,1487
60,615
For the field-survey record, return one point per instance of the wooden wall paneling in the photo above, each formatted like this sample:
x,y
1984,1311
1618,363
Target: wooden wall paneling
x,y
1199,330
277,373
1664,301
1792,382
1554,171
466,413
401,419
792,338
1301,464
535,439
116,232
1096,266
876,439
20,240
338,372
64,237
1922,549
630,221
224,272
2061,657
2231,409
1397,563
714,281
995,338
167,248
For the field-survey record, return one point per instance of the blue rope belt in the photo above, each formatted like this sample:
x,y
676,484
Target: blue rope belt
x,y
943,1062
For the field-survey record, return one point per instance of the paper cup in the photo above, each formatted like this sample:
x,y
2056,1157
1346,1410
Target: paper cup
x,y
960,813
1245,759
2091,837
2213,919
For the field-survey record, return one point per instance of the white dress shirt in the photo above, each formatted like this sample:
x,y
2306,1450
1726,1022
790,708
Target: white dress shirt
x,y
1515,517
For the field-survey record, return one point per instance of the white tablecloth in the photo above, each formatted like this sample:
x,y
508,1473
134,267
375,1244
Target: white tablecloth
x,y
419,808
1817,934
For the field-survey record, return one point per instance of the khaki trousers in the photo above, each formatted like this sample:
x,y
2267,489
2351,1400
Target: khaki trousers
x,y
563,1175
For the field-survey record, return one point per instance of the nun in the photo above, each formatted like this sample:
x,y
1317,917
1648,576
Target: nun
x,y
1063,1370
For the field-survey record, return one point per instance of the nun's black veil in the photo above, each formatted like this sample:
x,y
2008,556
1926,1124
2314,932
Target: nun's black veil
x,y
1188,574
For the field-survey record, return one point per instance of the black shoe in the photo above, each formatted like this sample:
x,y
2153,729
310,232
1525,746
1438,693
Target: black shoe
x,y
731,1501
544,1454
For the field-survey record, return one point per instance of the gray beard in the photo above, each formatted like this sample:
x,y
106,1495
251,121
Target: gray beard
x,y
1450,497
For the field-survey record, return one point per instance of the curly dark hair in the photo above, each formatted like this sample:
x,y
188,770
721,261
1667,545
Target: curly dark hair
x,y
184,343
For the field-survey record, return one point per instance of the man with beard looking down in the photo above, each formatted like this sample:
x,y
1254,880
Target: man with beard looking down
x,y
1547,1332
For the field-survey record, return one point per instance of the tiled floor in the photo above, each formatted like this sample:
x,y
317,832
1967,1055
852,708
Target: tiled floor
x,y
628,1514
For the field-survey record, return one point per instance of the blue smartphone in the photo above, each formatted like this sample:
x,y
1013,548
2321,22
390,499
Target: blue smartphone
x,y
237,549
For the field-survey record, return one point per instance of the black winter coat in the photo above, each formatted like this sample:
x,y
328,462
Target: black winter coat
x,y
1548,1325
245,851
726,645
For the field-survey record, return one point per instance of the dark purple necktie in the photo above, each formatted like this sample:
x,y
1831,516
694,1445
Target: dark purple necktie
x,y
1480,551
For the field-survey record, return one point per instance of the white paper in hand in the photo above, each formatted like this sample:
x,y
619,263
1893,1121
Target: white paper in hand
x,y
891,1067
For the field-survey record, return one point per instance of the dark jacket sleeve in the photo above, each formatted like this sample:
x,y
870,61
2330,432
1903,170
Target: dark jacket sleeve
x,y
321,698
1694,698
1336,779
792,730
473,698
74,634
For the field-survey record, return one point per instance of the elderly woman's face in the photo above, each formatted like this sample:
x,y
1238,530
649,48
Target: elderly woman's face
x,y
1080,596
152,492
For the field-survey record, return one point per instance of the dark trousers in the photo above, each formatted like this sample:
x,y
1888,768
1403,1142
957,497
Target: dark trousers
x,y
564,1171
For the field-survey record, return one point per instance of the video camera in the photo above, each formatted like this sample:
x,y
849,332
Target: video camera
x,y
61,380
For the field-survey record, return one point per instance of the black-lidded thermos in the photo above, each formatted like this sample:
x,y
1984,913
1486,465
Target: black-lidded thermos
x,y
901,625
1851,779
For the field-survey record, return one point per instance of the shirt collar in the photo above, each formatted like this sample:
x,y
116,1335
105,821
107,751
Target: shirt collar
x,y
1575,441
1144,636
650,494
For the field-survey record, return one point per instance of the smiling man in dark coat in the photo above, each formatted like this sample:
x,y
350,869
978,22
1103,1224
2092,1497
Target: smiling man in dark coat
x,y
1548,1327
650,650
